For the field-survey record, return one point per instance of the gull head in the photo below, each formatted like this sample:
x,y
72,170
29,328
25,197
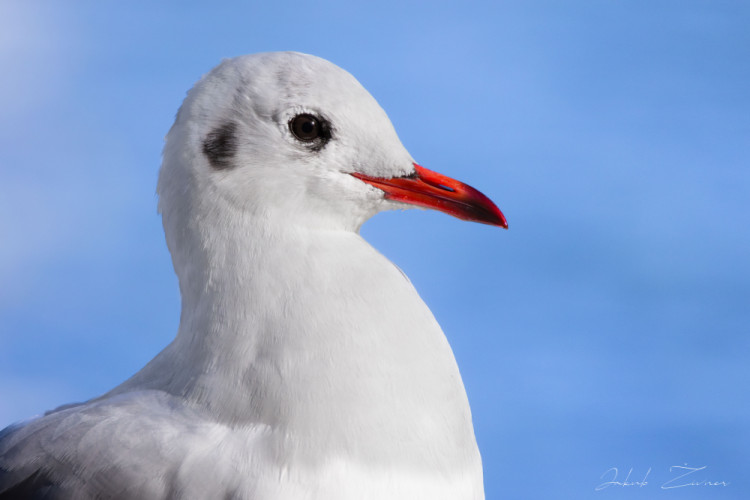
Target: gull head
x,y
291,139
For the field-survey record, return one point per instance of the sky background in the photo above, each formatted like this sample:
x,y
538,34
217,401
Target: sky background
x,y
607,328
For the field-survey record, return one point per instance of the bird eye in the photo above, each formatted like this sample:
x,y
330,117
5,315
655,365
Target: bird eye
x,y
307,127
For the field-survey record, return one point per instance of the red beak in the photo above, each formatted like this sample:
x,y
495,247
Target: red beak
x,y
429,189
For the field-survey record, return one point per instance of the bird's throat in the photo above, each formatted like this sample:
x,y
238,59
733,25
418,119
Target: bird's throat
x,y
358,350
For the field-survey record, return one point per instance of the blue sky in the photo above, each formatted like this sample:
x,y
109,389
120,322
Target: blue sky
x,y
607,328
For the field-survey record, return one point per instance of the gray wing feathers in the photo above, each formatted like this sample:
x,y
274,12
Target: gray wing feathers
x,y
123,447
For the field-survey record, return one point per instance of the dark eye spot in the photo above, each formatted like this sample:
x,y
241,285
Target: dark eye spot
x,y
305,127
220,146
310,129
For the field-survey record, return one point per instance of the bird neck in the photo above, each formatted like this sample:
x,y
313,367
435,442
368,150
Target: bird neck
x,y
315,334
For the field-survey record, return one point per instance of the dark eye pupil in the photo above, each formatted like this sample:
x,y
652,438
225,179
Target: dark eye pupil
x,y
305,127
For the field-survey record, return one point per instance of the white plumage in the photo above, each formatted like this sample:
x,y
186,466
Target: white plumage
x,y
305,366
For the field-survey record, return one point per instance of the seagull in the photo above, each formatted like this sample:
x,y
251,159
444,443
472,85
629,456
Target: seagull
x,y
305,366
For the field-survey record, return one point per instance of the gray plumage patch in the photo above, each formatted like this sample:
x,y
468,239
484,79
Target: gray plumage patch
x,y
36,486
220,146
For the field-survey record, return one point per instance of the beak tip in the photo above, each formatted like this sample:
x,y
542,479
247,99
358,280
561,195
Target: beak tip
x,y
497,217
